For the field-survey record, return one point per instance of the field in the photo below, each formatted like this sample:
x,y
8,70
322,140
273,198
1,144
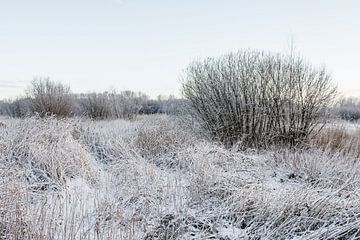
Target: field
x,y
153,178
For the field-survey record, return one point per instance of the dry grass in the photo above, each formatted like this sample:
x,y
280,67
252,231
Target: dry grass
x,y
149,179
339,139
157,137
45,152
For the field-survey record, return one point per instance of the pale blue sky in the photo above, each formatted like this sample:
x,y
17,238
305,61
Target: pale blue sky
x,y
95,45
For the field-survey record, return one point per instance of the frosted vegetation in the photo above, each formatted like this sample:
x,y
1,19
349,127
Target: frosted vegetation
x,y
252,153
258,98
152,179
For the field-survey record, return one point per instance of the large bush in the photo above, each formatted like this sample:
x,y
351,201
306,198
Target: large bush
x,y
258,98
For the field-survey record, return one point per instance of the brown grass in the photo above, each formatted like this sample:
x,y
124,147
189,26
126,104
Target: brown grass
x,y
338,140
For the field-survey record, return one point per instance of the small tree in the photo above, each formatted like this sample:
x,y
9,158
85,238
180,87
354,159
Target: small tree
x,y
48,97
258,98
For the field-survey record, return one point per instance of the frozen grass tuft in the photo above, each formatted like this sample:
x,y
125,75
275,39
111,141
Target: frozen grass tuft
x,y
44,153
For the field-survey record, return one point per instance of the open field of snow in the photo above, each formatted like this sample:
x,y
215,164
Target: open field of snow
x,y
153,179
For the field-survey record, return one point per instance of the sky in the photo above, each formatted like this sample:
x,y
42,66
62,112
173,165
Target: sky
x,y
98,45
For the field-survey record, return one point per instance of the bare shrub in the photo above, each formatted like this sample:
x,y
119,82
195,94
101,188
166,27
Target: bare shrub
x,y
126,104
94,105
258,98
18,108
48,97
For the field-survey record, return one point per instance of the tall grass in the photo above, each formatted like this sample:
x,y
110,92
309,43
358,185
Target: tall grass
x,y
151,179
339,139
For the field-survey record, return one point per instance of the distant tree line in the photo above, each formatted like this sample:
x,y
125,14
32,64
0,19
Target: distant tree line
x,y
348,109
45,97
255,98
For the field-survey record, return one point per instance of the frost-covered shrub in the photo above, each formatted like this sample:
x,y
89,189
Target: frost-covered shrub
x,y
258,98
94,105
50,98
18,108
125,105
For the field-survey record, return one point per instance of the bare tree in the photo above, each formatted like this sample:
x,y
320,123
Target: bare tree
x,y
48,97
258,98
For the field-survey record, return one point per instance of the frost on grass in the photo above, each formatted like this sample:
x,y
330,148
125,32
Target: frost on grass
x,y
151,179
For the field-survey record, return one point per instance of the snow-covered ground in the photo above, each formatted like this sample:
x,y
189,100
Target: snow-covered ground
x,y
153,179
